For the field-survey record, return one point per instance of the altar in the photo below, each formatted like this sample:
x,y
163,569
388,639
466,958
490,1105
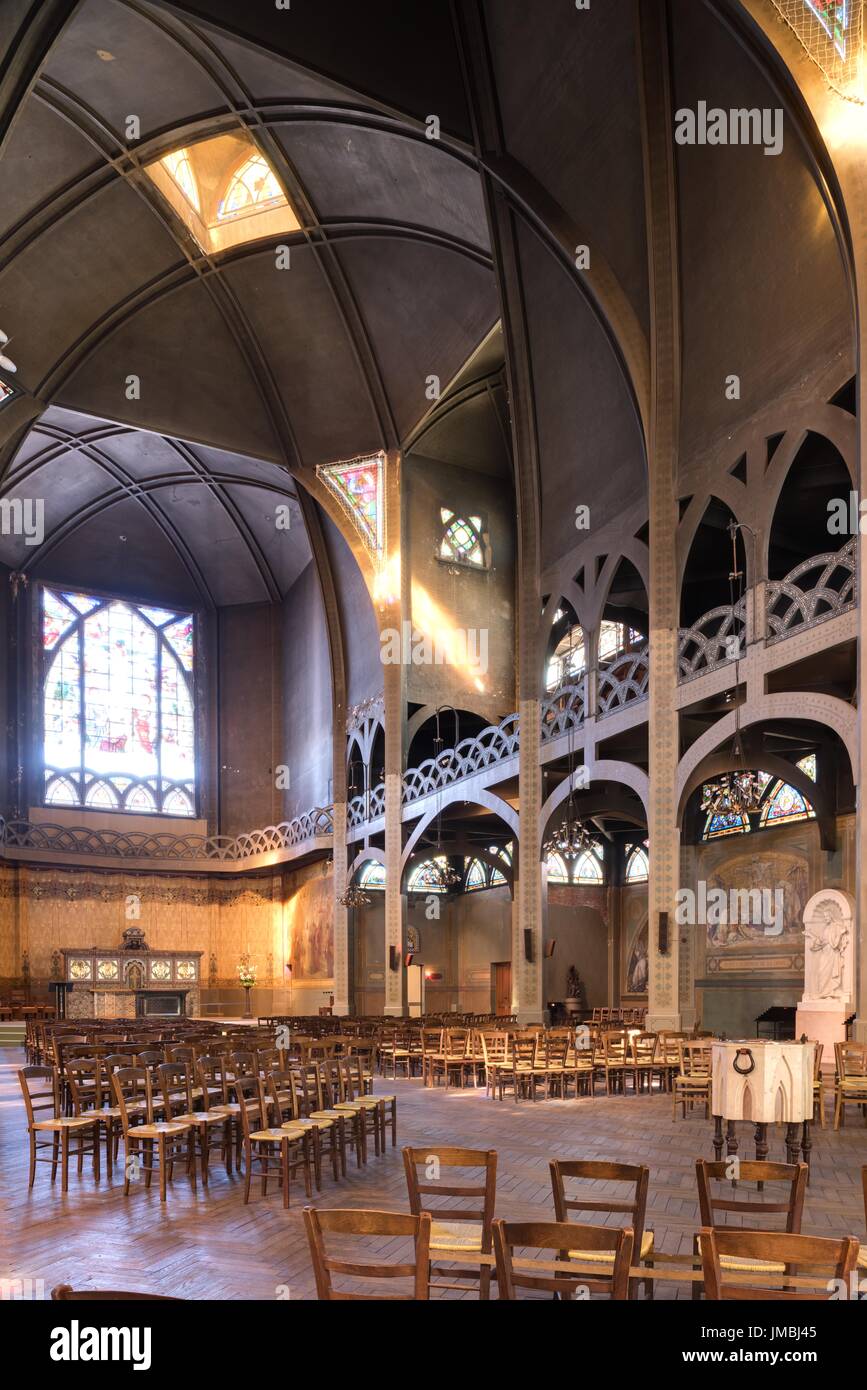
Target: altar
x,y
132,981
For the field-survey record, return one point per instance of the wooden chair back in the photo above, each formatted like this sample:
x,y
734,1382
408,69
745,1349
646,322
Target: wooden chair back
x,y
176,1088
556,1237
694,1059
495,1047
636,1176
851,1059
133,1095
643,1046
475,1160
41,1090
792,1175
827,1260
320,1223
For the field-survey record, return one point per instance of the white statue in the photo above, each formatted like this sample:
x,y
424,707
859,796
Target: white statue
x,y
827,933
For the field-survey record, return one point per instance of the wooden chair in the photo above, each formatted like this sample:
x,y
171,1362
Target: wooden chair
x,y
614,1059
41,1091
290,1096
277,1151
518,1069
456,1231
851,1082
369,1107
357,1087
320,1223
818,1084
794,1175
175,1080
635,1206
645,1062
692,1082
754,1250
611,1246
133,1096
495,1053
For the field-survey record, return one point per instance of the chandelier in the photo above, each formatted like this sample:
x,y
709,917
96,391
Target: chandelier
x,y
732,794
355,896
570,840
445,873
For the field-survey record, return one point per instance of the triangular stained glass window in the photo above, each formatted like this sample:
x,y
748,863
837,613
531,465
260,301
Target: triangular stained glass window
x,y
56,618
358,487
157,616
82,603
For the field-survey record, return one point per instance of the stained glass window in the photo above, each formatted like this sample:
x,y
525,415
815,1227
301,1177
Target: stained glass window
x,y
785,803
808,765
717,826
498,880
358,487
177,165
637,866
425,877
780,802
118,705
475,876
589,868
556,869
461,542
252,188
373,875
833,15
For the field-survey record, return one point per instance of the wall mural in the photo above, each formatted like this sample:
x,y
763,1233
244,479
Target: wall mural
x,y
781,872
310,928
637,967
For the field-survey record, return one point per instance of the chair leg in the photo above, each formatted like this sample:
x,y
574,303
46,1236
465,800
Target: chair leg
x,y
64,1159
284,1168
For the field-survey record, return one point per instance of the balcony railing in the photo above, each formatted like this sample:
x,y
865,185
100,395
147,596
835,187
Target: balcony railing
x,y
817,589
153,846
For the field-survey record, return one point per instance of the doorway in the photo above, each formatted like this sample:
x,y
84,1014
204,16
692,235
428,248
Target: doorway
x,y
415,990
501,987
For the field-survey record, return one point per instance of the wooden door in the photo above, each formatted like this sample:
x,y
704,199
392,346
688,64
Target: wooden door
x,y
502,987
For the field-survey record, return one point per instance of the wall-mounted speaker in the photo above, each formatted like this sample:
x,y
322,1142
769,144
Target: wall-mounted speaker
x,y
549,947
662,934
393,958
528,944
408,958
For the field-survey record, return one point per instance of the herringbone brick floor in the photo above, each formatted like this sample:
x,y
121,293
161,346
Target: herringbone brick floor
x,y
209,1245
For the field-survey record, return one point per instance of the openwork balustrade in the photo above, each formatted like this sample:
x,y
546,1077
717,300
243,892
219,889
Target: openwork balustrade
x,y
710,642
562,711
819,588
145,845
822,587
472,755
621,681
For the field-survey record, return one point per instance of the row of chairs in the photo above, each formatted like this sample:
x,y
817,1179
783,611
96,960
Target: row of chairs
x,y
610,1259
275,1116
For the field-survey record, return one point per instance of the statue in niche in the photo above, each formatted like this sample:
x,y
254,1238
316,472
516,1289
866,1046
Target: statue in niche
x,y
827,940
135,975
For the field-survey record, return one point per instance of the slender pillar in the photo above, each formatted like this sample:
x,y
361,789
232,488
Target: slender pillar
x,y
527,904
395,607
664,835
342,1003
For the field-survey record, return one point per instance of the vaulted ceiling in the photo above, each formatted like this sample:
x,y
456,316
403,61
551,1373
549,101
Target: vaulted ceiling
x,y
393,276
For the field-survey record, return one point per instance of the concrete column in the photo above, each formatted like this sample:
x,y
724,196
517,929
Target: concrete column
x,y
395,608
664,848
528,901
342,995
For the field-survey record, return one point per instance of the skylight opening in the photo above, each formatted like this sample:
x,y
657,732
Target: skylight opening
x,y
224,191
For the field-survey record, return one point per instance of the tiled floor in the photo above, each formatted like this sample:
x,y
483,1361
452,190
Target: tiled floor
x,y
209,1245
